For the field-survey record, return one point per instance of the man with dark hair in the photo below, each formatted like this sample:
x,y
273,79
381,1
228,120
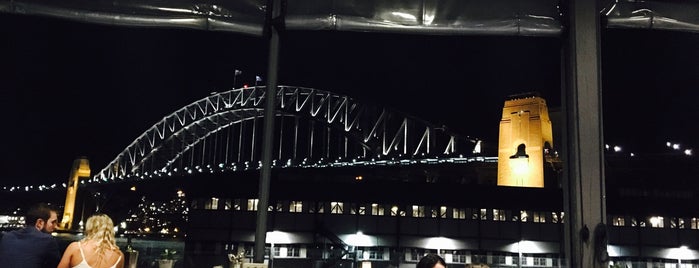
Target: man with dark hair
x,y
431,260
32,246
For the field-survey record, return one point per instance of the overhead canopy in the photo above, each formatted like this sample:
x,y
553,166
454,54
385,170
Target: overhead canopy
x,y
442,17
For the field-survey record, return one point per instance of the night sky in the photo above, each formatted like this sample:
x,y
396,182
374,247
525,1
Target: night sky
x,y
71,89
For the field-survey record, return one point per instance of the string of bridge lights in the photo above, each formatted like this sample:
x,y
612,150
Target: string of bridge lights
x,y
617,149
247,165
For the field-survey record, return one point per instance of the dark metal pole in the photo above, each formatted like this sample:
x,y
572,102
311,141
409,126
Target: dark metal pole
x,y
273,24
584,189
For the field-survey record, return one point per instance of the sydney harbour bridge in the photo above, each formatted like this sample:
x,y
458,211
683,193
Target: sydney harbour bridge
x,y
222,133
315,128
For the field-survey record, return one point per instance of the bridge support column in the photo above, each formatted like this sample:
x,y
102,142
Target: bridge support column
x,y
525,135
81,169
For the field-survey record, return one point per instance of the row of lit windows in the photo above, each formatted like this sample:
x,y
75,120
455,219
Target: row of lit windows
x,y
654,263
289,251
417,211
463,257
374,209
414,255
466,257
657,222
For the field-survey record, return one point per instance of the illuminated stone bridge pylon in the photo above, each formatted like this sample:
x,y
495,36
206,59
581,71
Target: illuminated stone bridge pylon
x,y
314,128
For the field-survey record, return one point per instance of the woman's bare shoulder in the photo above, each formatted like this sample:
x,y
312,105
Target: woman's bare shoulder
x,y
72,247
119,252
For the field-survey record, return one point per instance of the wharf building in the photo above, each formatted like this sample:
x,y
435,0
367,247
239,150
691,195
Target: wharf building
x,y
504,213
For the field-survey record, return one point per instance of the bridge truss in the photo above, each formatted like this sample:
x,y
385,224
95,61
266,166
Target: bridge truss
x,y
313,128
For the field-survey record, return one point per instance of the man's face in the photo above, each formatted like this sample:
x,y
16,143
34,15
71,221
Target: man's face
x,y
50,225
439,265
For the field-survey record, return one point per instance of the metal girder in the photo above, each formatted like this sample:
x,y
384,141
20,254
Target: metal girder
x,y
315,127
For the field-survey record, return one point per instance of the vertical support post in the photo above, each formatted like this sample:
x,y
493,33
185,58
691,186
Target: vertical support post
x,y
274,23
519,253
583,187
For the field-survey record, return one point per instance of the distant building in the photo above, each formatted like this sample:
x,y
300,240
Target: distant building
x,y
396,214
525,137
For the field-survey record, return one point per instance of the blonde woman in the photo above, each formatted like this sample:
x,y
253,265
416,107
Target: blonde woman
x,y
97,250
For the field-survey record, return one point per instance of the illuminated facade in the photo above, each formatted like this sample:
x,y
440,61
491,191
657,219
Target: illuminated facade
x,y
525,136
81,169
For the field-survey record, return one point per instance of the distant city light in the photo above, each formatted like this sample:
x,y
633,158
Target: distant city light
x,y
617,148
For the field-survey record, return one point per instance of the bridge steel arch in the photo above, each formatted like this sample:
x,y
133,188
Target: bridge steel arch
x,y
315,128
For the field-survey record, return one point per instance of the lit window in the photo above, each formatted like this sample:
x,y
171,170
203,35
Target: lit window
x,y
498,214
618,221
370,253
336,207
227,204
277,251
539,217
236,204
498,259
563,217
554,217
538,261
458,256
252,204
523,215
286,251
484,214
656,222
434,212
694,223
376,210
357,209
459,213
211,204
394,211
295,206
293,251
443,212
321,207
418,211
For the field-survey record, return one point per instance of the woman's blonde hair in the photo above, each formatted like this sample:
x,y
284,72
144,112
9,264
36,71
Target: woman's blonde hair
x,y
100,229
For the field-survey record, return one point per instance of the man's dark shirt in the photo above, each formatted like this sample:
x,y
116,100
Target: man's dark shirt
x,y
28,248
